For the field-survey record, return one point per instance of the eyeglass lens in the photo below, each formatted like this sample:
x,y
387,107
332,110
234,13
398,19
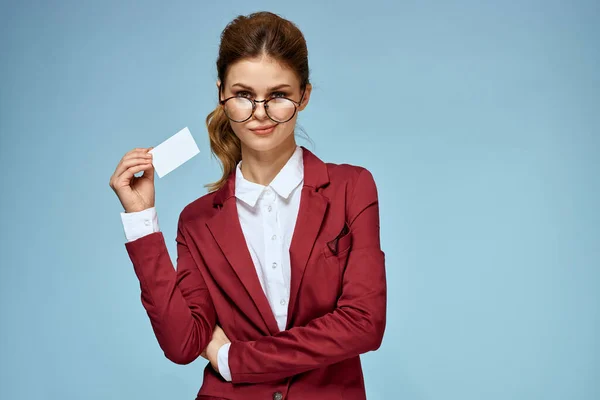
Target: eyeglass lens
x,y
278,109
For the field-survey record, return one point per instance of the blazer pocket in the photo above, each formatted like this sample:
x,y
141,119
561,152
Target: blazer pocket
x,y
341,243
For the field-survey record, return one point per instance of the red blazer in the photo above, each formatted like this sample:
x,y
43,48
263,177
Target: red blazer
x,y
337,307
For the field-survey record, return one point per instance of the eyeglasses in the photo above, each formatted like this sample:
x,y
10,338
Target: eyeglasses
x,y
278,109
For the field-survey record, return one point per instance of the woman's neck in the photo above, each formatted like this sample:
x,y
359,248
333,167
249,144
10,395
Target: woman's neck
x,y
262,166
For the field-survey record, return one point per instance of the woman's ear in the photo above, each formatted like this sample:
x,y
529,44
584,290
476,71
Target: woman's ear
x,y
306,97
219,88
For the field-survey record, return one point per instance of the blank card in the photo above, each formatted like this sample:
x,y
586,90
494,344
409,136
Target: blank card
x,y
173,152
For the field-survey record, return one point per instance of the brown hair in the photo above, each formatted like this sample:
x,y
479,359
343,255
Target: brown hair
x,y
261,33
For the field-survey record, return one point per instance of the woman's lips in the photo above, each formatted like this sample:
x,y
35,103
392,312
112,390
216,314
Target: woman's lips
x,y
264,131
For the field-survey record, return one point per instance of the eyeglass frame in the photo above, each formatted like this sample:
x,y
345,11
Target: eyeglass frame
x,y
265,101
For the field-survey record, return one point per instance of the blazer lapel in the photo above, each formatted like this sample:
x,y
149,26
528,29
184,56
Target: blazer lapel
x,y
313,206
227,231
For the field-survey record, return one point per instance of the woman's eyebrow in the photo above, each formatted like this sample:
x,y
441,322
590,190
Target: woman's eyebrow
x,y
281,86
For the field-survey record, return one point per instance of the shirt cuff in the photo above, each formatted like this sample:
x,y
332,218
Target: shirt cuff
x,y
140,223
223,362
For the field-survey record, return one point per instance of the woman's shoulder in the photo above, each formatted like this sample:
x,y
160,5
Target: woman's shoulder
x,y
343,170
201,208
351,175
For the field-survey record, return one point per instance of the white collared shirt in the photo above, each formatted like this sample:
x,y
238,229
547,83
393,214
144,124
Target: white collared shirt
x,y
268,216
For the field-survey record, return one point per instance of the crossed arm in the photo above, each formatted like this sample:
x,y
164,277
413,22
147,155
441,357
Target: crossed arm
x,y
183,316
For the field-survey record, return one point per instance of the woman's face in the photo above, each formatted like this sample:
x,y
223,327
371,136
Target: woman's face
x,y
263,78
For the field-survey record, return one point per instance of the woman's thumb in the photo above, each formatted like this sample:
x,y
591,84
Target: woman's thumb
x,y
149,172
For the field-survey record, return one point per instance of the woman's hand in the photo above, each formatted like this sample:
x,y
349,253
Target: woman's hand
x,y
135,193
218,339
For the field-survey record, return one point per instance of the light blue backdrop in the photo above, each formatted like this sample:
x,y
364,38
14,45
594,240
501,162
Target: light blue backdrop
x,y
480,121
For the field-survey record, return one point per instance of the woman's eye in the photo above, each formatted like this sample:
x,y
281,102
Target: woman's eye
x,y
247,94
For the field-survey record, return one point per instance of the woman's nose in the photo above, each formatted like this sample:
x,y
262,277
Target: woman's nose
x,y
260,112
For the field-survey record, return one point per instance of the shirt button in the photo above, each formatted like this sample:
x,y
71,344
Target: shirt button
x,y
277,396
273,237
282,302
269,208
147,222
274,265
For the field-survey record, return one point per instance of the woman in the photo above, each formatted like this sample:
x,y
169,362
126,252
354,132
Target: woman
x,y
280,278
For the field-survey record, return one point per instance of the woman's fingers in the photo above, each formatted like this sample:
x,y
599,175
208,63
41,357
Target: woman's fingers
x,y
131,171
137,153
134,194
132,162
126,164
125,176
219,334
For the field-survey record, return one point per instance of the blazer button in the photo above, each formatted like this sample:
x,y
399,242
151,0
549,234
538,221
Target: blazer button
x,y
277,396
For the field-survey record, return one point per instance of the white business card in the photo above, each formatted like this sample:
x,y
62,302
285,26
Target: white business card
x,y
173,152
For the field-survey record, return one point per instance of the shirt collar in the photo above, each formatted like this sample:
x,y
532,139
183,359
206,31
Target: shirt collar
x,y
286,180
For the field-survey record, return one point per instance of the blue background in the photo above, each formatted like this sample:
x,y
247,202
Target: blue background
x,y
480,121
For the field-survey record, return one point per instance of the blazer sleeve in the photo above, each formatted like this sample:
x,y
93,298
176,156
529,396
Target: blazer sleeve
x,y
354,327
177,301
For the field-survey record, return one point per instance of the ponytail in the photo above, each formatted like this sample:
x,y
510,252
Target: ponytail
x,y
224,144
